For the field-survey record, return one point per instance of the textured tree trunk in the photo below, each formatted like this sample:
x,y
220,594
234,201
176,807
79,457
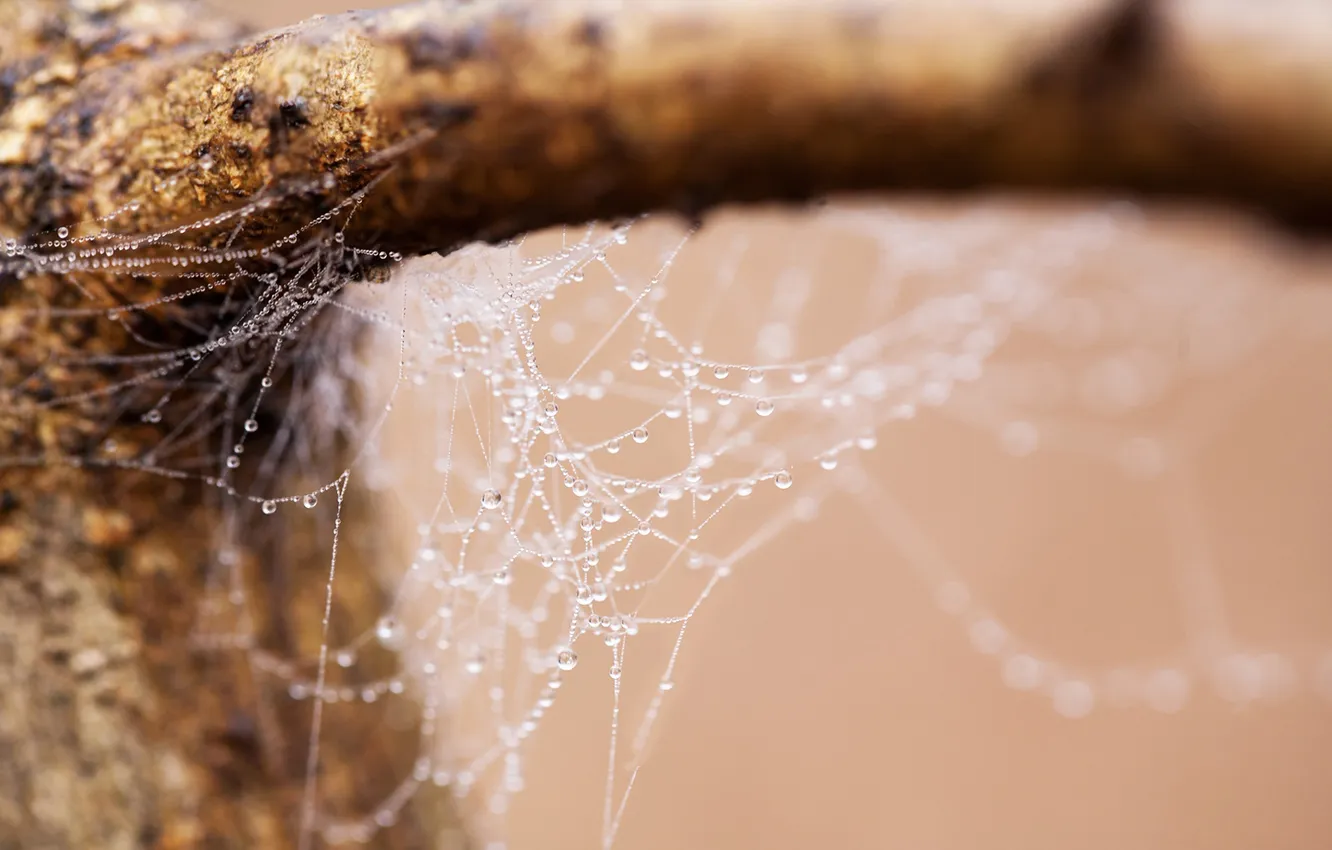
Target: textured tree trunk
x,y
119,728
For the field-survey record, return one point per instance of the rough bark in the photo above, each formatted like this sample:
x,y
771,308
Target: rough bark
x,y
529,114
479,120
118,729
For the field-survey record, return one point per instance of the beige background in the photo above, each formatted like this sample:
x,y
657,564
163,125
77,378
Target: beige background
x,y
824,699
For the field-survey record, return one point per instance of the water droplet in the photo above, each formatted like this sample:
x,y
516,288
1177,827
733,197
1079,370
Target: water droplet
x,y
1167,690
251,426
310,500
763,407
345,658
63,233
567,659
782,480
1019,439
1323,676
1022,672
615,671
638,360
269,507
1073,698
988,636
640,435
389,632
491,499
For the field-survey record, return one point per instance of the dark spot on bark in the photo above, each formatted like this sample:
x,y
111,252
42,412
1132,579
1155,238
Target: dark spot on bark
x,y
290,115
592,32
44,392
241,151
201,151
242,104
241,732
237,751
447,113
431,50
53,30
258,47
1131,35
9,77
105,43
100,16
87,120
46,188
277,136
8,501
1109,53
294,113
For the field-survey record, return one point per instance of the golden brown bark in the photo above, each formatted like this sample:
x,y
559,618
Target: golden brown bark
x,y
530,114
118,727
480,120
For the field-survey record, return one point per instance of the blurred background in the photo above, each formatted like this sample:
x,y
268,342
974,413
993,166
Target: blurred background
x,y
981,648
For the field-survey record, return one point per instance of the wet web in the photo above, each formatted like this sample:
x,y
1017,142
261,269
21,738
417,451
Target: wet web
x,y
574,439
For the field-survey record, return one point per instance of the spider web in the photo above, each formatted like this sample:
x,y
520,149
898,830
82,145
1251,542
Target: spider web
x,y
579,438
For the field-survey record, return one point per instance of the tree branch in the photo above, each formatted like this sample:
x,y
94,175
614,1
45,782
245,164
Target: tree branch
x,y
523,114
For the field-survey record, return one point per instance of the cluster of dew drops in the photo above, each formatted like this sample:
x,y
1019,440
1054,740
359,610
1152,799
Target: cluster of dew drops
x,y
527,496
480,315
543,501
